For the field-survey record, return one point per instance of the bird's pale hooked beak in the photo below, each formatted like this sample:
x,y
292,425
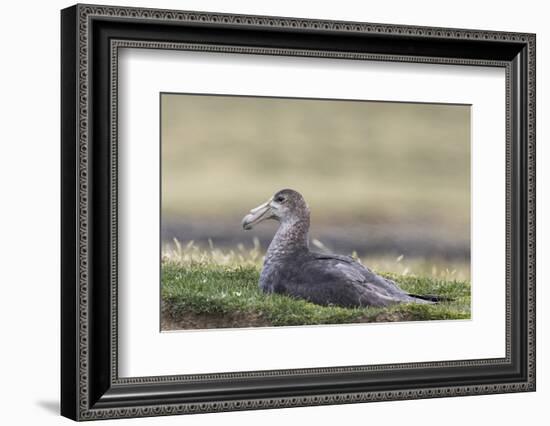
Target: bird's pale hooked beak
x,y
257,215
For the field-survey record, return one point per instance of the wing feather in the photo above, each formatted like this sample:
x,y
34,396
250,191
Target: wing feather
x,y
341,280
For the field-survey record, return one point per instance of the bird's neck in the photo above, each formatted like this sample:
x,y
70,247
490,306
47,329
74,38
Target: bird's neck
x,y
290,239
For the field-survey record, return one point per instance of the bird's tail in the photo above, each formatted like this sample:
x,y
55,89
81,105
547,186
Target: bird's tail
x,y
432,297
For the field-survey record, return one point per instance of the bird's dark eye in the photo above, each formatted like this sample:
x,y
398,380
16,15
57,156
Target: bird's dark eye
x,y
280,199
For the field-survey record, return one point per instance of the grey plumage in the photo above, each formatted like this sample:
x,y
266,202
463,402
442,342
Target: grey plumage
x,y
291,268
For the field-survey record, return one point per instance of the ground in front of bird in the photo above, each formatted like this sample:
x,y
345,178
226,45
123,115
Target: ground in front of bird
x,y
213,288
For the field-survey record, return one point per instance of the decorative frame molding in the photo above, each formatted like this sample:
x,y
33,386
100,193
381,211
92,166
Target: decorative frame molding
x,y
91,37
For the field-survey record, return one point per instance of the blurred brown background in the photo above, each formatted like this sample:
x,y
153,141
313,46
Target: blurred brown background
x,y
386,180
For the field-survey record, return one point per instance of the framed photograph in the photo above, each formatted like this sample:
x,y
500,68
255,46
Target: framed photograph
x,y
263,212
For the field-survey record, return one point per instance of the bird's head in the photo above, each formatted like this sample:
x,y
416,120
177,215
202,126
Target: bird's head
x,y
286,205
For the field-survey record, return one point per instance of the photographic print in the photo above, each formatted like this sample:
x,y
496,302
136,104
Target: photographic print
x,y
294,212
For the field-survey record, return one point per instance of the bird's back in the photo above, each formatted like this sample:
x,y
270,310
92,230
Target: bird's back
x,y
327,279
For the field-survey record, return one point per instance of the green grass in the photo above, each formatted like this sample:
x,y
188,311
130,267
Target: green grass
x,y
211,289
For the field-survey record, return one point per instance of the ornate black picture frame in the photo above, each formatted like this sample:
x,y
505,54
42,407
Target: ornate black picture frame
x,y
91,36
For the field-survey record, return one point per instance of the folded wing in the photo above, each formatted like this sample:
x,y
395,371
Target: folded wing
x,y
328,279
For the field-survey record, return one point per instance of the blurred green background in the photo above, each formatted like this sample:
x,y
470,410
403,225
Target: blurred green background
x,y
383,179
